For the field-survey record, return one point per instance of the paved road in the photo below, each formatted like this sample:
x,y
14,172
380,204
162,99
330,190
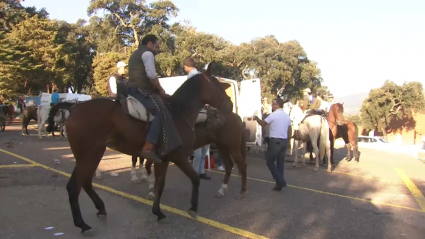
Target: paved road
x,y
370,199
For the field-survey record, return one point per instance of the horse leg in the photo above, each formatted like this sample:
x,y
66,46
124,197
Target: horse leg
x,y
98,175
304,151
241,163
316,151
151,180
133,172
142,169
160,172
187,169
296,142
228,166
348,152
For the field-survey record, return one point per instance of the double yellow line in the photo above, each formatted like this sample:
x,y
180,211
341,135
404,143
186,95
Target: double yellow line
x,y
182,213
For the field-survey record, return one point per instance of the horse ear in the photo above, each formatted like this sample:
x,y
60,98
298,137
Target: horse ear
x,y
342,103
208,71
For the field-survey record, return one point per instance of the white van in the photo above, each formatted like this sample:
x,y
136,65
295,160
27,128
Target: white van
x,y
46,98
246,102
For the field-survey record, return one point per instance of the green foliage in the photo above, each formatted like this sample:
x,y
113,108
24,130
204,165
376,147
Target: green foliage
x,y
84,54
391,107
354,118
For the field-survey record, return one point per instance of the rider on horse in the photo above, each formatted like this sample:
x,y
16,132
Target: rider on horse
x,y
117,82
143,84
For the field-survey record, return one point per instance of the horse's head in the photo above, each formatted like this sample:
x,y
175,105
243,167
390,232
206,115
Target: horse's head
x,y
213,92
337,111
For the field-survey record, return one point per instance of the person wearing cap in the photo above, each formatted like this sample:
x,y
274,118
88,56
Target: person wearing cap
x,y
117,81
307,101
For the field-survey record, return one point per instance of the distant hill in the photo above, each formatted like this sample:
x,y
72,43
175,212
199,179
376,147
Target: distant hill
x,y
352,103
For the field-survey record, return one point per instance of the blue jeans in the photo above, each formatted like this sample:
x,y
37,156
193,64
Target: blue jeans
x,y
199,159
276,152
156,124
219,159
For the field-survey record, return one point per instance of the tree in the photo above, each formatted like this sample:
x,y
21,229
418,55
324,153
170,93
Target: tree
x,y
78,55
133,18
391,107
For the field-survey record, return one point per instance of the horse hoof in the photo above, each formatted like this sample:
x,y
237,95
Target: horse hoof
x,y
100,177
85,228
136,181
193,214
165,221
219,195
303,164
240,197
88,233
316,169
329,170
151,196
294,165
101,214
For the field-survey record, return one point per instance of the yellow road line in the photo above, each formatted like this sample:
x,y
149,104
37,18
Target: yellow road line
x,y
331,194
204,220
417,194
18,165
350,174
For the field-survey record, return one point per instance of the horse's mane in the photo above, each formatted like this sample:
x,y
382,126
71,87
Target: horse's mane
x,y
182,99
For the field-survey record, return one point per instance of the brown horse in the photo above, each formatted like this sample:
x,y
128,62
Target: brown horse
x,y
8,110
28,113
99,123
345,129
230,141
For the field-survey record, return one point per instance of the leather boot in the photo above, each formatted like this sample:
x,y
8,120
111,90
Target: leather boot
x,y
149,153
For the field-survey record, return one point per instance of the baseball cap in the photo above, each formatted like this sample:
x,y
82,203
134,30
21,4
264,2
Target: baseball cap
x,y
121,64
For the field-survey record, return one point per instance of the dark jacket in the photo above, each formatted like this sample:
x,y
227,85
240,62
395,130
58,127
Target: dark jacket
x,y
136,70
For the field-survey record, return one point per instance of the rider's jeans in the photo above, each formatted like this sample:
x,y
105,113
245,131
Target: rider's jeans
x,y
155,127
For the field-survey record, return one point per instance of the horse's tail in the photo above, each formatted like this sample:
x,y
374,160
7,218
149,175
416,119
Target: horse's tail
x,y
54,110
324,138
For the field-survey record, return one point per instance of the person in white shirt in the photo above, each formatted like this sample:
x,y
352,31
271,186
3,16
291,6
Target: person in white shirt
x,y
279,123
117,80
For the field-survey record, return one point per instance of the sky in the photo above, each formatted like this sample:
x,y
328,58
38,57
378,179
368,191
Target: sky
x,y
356,44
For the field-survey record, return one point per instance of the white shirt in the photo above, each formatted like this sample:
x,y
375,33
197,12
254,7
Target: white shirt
x,y
279,123
149,61
324,105
113,84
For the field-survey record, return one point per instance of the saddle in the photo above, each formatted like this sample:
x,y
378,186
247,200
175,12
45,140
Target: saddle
x,y
132,107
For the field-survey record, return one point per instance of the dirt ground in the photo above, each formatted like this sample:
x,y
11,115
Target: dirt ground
x,y
380,197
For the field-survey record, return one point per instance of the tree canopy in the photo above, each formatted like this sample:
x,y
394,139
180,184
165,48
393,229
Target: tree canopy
x,y
392,107
83,54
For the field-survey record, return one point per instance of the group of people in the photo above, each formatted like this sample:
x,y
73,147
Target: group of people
x,y
275,124
143,84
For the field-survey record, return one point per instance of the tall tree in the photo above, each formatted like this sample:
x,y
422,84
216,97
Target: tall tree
x,y
391,107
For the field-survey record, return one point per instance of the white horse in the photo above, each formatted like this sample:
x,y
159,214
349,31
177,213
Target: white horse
x,y
313,128
296,115
43,115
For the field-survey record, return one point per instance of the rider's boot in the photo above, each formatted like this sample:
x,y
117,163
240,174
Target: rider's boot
x,y
149,153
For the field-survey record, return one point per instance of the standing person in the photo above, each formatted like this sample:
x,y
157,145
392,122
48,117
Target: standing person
x,y
265,111
55,97
199,153
279,123
143,84
117,81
